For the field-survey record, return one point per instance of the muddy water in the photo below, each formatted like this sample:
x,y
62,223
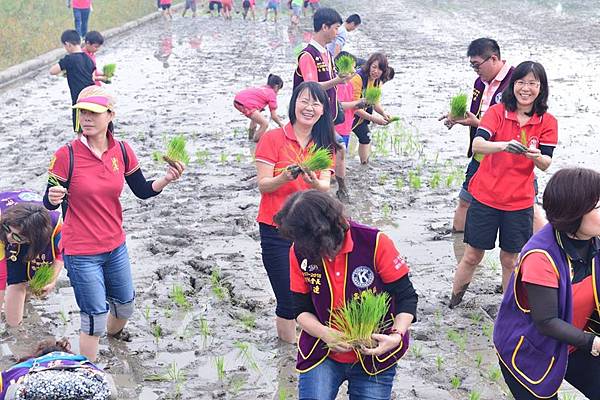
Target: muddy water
x,y
200,234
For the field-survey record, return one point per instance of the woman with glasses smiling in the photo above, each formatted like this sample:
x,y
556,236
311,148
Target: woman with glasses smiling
x,y
30,236
310,124
515,136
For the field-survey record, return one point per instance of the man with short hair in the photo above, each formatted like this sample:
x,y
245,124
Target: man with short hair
x,y
493,77
335,47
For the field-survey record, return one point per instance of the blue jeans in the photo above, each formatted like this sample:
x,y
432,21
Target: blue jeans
x,y
81,16
323,382
101,282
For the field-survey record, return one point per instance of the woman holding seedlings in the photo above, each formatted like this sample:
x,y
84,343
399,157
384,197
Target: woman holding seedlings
x,y
286,164
372,74
252,101
336,264
547,326
93,168
515,136
30,239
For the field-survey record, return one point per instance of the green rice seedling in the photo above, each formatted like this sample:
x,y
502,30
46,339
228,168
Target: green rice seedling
x,y
202,156
64,317
283,393
174,374
44,274
345,65
53,181
386,210
394,119
204,328
478,360
237,383
359,318
218,289
417,351
488,330
494,374
157,156
383,179
437,318
157,331
109,71
147,313
434,183
414,180
449,180
246,354
179,298
458,339
455,382
248,320
220,367
239,158
176,151
399,183
315,159
568,396
475,318
474,395
372,95
439,362
458,106
223,158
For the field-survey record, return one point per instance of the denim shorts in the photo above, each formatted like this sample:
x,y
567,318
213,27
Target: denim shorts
x,y
276,259
323,382
101,282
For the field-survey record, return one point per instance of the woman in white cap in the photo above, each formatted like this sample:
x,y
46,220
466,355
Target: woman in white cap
x,y
94,167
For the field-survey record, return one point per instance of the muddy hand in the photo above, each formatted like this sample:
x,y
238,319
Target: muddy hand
x,y
310,177
447,121
385,343
174,172
515,147
56,194
533,153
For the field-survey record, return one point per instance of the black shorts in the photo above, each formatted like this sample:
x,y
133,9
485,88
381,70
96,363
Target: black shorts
x,y
18,273
246,5
362,132
213,4
484,222
165,6
306,3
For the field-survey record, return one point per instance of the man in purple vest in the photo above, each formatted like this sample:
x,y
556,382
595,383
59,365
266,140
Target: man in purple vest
x,y
315,63
493,76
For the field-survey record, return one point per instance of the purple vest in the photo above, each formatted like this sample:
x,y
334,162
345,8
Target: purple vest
x,y
54,360
478,88
360,276
325,72
13,255
537,361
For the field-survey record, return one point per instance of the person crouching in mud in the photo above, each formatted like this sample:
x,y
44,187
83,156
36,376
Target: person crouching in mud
x,y
547,325
333,261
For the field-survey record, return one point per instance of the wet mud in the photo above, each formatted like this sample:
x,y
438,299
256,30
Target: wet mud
x,y
204,317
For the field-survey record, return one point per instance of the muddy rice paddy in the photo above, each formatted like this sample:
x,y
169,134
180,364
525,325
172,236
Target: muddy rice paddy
x,y
217,339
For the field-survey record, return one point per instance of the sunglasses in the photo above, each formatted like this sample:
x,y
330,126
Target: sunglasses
x,y
14,236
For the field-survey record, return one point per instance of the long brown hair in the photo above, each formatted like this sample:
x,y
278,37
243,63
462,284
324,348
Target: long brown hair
x,y
380,59
33,220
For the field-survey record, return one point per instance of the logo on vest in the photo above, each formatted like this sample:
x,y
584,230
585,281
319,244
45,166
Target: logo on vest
x,y
363,277
28,196
498,98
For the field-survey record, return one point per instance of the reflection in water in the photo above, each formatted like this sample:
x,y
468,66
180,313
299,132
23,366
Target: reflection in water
x,y
165,48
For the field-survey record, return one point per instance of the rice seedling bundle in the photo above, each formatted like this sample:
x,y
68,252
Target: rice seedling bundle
x,y
316,159
43,276
360,318
109,71
372,95
345,65
458,105
394,119
176,151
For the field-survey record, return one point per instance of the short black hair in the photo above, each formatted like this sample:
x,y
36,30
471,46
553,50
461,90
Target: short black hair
x,y
354,19
70,36
540,105
326,16
391,73
483,47
94,37
570,194
274,80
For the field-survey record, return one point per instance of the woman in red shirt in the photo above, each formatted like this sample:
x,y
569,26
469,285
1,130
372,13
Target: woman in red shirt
x,y
94,168
310,124
515,136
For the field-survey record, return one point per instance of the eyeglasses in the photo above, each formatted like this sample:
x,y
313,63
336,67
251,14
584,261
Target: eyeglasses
x,y
476,66
532,84
15,236
314,104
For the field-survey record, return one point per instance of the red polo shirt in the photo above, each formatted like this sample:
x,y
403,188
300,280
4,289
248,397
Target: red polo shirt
x,y
504,180
280,148
94,221
389,265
